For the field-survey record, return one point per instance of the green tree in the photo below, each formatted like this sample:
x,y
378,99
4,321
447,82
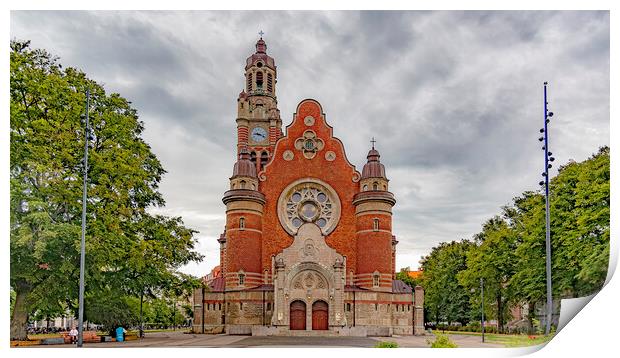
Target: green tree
x,y
528,283
579,198
580,216
493,260
444,296
46,174
111,310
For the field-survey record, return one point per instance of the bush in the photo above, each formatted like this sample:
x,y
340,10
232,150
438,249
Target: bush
x,y
386,345
442,341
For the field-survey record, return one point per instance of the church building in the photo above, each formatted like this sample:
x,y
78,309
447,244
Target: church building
x,y
308,247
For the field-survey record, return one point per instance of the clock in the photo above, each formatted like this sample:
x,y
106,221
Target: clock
x,y
259,134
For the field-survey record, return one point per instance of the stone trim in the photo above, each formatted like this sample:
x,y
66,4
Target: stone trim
x,y
371,230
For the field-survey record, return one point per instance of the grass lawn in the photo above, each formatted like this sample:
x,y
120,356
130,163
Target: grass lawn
x,y
509,340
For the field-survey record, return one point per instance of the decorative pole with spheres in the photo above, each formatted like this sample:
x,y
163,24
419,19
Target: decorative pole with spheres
x,y
545,174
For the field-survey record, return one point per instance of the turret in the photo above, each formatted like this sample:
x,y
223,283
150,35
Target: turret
x,y
373,215
244,221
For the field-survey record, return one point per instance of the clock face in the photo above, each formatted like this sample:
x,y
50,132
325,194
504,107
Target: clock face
x,y
259,134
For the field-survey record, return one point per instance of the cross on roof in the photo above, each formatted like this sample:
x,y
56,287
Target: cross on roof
x,y
261,33
373,141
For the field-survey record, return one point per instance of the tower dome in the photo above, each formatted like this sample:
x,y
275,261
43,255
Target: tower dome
x,y
373,167
261,46
244,166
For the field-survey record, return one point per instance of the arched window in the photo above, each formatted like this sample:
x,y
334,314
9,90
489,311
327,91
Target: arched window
x,y
241,306
219,306
375,186
241,279
264,158
249,82
259,80
241,223
365,188
253,157
242,184
375,279
375,224
269,83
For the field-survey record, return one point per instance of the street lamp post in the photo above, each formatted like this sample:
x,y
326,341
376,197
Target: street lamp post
x,y
545,174
482,308
83,241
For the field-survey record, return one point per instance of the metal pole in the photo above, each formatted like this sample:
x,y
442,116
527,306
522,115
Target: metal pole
x,y
203,308
83,242
482,297
547,221
141,323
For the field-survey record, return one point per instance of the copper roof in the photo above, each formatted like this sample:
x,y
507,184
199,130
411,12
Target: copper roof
x,y
373,167
217,285
261,54
244,167
399,286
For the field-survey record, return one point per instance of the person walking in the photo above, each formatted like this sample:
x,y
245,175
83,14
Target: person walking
x,y
73,333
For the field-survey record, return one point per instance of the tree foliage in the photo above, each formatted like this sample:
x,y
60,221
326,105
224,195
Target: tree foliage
x,y
509,252
446,299
127,248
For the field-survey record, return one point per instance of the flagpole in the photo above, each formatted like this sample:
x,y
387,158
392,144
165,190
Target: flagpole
x,y
83,241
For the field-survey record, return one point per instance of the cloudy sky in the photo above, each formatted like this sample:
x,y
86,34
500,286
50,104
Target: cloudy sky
x,y
453,98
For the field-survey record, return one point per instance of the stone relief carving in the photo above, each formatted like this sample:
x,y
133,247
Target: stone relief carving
x,y
330,156
309,280
288,155
308,250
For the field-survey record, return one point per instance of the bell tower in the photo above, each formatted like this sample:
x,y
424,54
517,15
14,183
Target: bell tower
x,y
258,118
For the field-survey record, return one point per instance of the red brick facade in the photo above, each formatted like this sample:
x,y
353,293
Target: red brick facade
x,y
307,217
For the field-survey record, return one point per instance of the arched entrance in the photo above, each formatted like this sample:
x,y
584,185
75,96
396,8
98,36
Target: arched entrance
x,y
298,315
319,316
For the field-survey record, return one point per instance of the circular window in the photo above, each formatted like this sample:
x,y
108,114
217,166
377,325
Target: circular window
x,y
309,201
259,64
308,211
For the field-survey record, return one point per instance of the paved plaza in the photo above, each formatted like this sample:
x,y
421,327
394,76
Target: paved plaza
x,y
180,339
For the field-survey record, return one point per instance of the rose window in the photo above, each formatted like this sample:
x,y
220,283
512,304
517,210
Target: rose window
x,y
309,201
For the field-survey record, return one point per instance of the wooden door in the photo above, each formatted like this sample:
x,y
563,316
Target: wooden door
x,y
298,315
320,315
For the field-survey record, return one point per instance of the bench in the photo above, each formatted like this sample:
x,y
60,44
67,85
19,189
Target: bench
x,y
88,337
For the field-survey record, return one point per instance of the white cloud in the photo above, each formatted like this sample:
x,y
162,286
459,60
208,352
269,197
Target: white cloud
x,y
454,98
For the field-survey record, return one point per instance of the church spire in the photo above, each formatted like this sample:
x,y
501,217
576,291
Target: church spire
x,y
261,46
